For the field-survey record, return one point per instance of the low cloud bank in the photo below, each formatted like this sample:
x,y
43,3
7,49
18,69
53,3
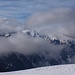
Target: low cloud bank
x,y
56,22
22,43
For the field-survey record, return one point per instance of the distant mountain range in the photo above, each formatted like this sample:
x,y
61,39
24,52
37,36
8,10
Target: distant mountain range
x,y
17,61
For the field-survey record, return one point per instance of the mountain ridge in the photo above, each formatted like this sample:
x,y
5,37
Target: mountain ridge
x,y
39,59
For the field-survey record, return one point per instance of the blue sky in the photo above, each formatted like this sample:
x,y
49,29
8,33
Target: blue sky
x,y
22,9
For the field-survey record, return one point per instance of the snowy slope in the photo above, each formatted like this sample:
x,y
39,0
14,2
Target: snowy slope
x,y
53,70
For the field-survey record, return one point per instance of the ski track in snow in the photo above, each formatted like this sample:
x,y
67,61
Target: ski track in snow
x,y
53,70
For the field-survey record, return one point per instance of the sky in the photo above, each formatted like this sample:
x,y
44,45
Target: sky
x,y
50,17
22,9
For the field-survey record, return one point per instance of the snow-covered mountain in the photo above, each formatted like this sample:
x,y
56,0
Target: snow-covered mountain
x,y
45,37
8,34
34,34
50,70
16,61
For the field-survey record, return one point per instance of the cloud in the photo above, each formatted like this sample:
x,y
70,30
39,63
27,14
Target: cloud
x,y
24,44
9,25
55,22
21,9
29,45
21,43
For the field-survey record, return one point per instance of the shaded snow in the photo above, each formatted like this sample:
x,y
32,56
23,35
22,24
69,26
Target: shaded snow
x,y
53,70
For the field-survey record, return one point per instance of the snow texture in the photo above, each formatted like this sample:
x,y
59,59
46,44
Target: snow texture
x,y
53,70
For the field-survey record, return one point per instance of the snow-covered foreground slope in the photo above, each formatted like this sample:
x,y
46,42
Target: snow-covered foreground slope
x,y
53,70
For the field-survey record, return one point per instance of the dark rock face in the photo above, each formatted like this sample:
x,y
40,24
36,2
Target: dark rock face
x,y
13,62
16,61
